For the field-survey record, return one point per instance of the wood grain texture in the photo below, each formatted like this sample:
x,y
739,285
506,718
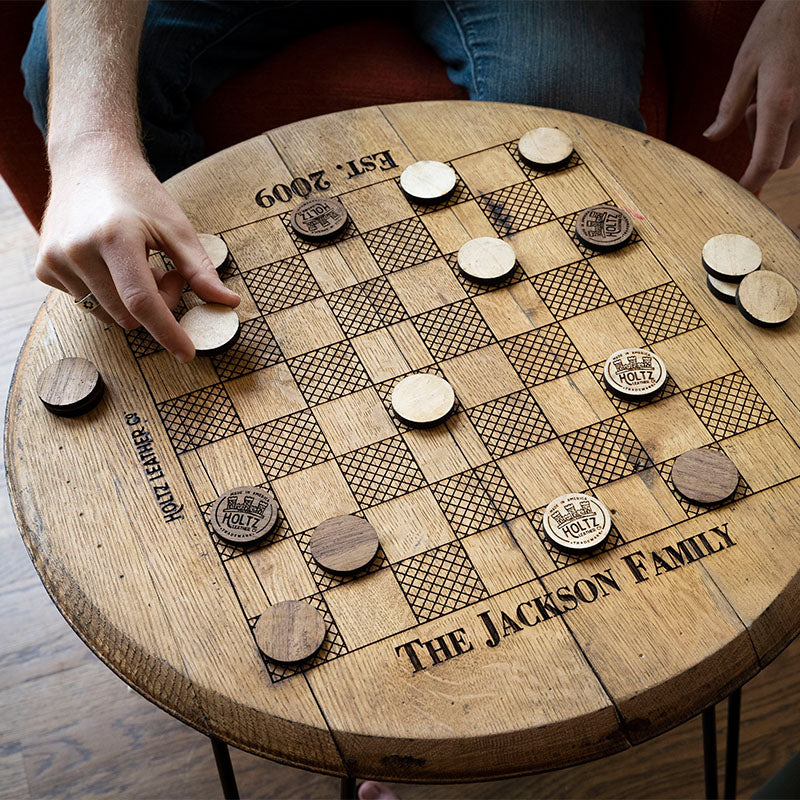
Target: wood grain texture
x,y
70,386
487,259
344,544
731,256
766,298
51,743
290,631
545,147
705,476
617,648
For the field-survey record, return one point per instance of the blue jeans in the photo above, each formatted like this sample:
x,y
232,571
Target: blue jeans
x,y
584,55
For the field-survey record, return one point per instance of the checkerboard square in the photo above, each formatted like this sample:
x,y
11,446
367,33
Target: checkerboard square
x,y
511,424
439,581
451,330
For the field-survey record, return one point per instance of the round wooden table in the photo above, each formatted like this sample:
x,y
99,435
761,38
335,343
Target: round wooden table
x,y
470,647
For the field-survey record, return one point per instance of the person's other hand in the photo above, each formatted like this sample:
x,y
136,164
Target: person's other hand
x,y
107,211
764,88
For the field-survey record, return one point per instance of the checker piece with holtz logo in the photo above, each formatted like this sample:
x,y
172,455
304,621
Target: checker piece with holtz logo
x,y
634,373
244,515
576,522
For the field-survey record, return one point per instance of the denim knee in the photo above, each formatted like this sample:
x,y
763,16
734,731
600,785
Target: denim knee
x,y
36,70
579,56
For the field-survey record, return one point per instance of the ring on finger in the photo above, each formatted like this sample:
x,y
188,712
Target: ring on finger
x,y
88,303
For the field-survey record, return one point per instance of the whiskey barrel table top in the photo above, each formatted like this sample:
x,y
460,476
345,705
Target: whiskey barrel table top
x,y
469,647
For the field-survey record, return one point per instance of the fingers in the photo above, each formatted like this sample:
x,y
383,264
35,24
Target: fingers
x,y
142,297
792,147
774,119
170,286
192,262
735,99
70,284
750,117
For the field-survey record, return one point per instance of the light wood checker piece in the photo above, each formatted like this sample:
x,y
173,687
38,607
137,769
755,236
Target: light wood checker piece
x,y
766,298
216,250
212,327
299,406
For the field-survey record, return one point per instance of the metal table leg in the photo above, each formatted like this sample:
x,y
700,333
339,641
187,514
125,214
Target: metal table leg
x,y
225,769
710,752
732,744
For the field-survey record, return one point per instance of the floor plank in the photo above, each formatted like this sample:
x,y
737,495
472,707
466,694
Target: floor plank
x,y
70,728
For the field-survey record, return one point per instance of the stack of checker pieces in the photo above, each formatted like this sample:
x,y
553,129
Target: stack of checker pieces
x,y
735,275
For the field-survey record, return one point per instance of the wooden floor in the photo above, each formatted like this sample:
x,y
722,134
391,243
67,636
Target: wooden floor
x,y
70,728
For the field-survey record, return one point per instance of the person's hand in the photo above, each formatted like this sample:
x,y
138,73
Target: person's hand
x,y
764,88
107,211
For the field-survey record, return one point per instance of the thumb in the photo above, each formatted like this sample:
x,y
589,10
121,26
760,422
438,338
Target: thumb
x,y
192,262
737,96
372,790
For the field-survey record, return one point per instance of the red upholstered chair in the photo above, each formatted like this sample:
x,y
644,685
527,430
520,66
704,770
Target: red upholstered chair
x,y
379,62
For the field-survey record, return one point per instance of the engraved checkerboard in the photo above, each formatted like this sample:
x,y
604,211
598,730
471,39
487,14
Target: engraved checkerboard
x,y
436,640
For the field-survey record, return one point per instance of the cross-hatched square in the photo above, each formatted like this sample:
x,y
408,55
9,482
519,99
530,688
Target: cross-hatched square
x,y
141,342
515,208
466,503
567,222
501,494
729,405
510,424
564,558
401,244
226,551
571,290
474,288
306,246
289,444
199,417
439,581
327,580
542,355
534,172
460,194
333,644
366,306
453,330
669,389
606,451
693,509
282,284
328,373
381,471
255,348
660,313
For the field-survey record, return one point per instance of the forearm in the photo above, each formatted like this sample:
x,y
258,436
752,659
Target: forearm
x,y
94,47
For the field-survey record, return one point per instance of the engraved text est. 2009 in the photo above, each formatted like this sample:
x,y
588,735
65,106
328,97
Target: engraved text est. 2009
x,y
316,181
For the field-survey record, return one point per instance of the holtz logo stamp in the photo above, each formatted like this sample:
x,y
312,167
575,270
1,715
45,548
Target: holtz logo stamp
x,y
244,515
576,521
604,227
634,373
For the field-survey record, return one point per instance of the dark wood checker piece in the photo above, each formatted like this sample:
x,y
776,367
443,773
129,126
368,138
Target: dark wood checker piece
x,y
439,685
